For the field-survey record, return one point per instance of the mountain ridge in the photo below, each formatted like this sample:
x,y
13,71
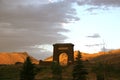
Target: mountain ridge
x,y
112,56
14,57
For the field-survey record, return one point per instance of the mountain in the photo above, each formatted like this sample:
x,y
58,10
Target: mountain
x,y
14,57
112,56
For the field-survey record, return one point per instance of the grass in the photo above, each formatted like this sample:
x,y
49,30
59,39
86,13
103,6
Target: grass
x,y
11,72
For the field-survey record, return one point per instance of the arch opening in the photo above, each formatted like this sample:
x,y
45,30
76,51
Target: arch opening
x,y
63,59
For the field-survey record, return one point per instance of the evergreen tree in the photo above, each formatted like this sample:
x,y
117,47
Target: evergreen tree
x,y
27,72
56,71
79,71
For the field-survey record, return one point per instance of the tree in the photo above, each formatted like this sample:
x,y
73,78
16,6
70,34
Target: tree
x,y
56,71
27,72
79,71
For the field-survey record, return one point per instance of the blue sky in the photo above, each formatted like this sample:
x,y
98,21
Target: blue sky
x,y
34,26
104,22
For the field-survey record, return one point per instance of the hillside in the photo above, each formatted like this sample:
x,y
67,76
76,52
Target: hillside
x,y
85,56
112,56
13,57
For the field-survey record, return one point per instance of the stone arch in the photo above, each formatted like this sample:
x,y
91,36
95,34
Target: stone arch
x,y
60,48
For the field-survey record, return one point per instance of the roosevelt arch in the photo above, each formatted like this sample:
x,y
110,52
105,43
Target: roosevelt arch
x,y
60,48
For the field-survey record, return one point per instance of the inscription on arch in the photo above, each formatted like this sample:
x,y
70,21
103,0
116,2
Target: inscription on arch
x,y
63,48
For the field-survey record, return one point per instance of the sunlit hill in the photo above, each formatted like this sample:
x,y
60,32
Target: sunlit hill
x,y
15,57
112,56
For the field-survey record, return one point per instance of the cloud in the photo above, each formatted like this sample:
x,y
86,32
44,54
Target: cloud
x,y
95,35
93,5
91,45
25,23
113,3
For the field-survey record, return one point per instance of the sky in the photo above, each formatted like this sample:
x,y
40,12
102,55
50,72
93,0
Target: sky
x,y
33,26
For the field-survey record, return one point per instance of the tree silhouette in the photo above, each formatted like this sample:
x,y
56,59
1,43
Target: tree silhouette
x,y
27,72
56,71
79,72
